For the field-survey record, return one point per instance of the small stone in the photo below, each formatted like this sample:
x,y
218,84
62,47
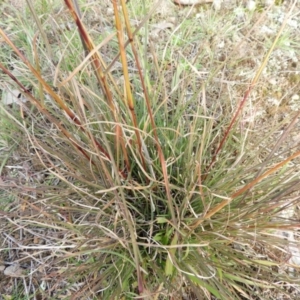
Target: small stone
x,y
251,5
269,2
14,271
217,4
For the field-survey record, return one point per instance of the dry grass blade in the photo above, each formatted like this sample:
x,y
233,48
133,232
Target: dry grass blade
x,y
46,88
252,85
96,59
244,189
101,76
135,172
40,28
169,265
127,93
45,112
149,109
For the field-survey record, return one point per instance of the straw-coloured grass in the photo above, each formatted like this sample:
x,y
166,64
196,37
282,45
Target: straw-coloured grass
x,y
149,166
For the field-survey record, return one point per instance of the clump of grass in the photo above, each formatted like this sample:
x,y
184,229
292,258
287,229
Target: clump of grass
x,y
145,179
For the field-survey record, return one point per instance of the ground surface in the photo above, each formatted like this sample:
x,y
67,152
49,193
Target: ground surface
x,y
281,80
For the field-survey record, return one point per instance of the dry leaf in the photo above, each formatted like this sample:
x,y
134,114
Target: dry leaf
x,y
12,96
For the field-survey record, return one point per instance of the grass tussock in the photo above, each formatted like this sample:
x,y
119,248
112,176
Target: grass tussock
x,y
145,159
